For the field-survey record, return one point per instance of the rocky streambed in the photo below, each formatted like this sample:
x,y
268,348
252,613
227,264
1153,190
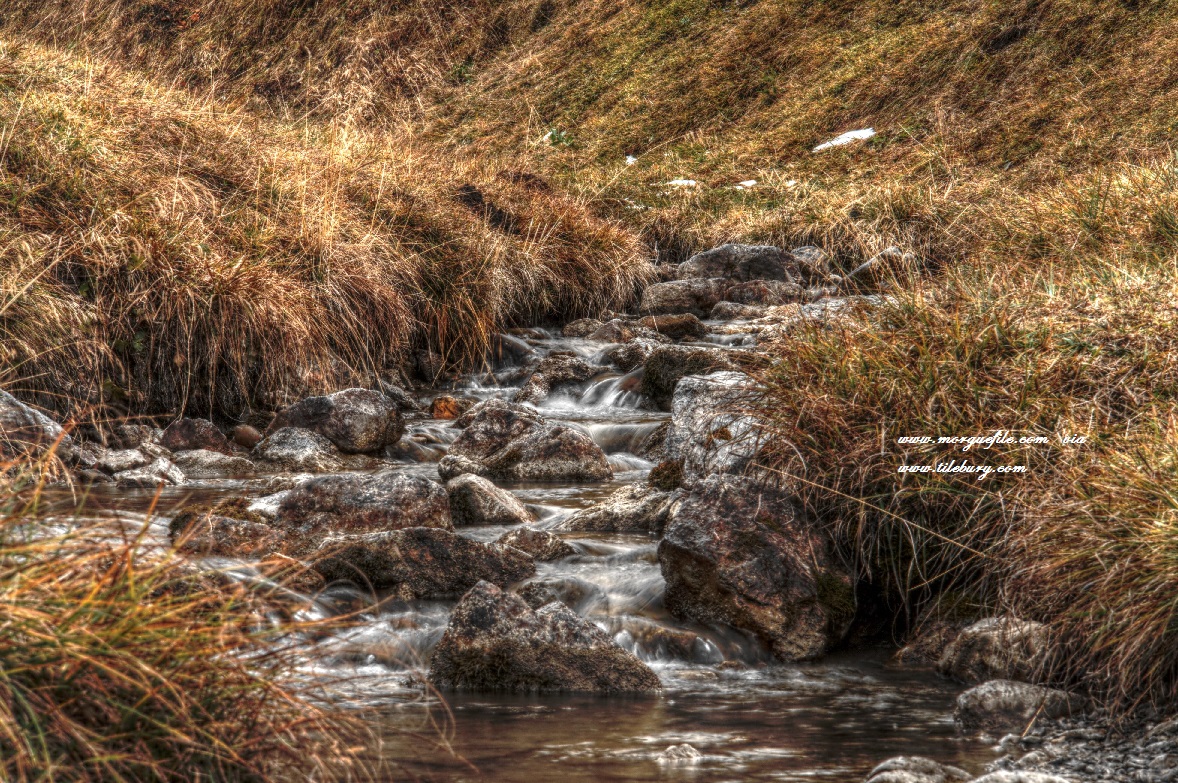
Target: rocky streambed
x,y
570,562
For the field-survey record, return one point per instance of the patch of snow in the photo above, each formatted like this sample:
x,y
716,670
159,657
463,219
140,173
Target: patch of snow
x,y
682,183
748,183
846,138
791,183
631,160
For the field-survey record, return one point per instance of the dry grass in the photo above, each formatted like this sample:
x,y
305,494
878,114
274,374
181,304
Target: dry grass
x,y
121,665
162,252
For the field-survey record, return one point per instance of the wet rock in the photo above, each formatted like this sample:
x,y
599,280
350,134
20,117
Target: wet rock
x,y
916,769
121,460
292,448
447,407
813,262
638,508
540,544
246,436
1001,706
677,327
159,471
696,296
996,648
209,535
496,642
132,436
267,506
615,331
90,476
191,434
1018,776
741,263
202,463
738,552
511,442
680,756
768,293
559,371
401,398
476,501
734,311
388,500
669,364
420,562
709,433
577,594
25,430
581,328
630,355
357,421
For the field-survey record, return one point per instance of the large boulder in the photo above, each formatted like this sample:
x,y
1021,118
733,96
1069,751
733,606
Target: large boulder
x,y
293,448
420,562
996,648
192,434
696,296
496,642
739,552
357,421
627,356
677,327
476,501
637,508
388,500
507,441
669,364
540,544
202,463
741,263
710,432
1002,706
560,371
26,431
916,769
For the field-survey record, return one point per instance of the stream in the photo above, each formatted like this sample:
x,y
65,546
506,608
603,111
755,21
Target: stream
x,y
749,717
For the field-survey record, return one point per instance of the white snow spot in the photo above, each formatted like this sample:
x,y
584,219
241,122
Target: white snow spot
x,y
846,138
682,183
631,160
748,183
791,183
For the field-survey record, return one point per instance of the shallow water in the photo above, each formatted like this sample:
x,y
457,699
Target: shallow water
x,y
748,717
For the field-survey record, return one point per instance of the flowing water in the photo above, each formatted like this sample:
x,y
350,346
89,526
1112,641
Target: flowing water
x,y
748,717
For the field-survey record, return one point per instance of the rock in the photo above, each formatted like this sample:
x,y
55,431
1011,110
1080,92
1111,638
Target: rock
x,y
401,398
616,331
246,436
1014,776
581,328
916,769
507,441
540,544
577,594
202,463
679,756
666,476
741,263
696,296
708,432
629,355
26,431
637,508
667,365
738,552
476,501
769,293
420,562
90,476
388,500
733,311
208,535
876,271
447,407
996,648
1001,706
268,505
132,436
677,327
496,642
121,460
191,434
559,371
357,421
292,448
813,262
160,471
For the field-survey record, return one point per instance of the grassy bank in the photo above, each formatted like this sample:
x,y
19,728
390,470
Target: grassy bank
x,y
119,665
164,252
